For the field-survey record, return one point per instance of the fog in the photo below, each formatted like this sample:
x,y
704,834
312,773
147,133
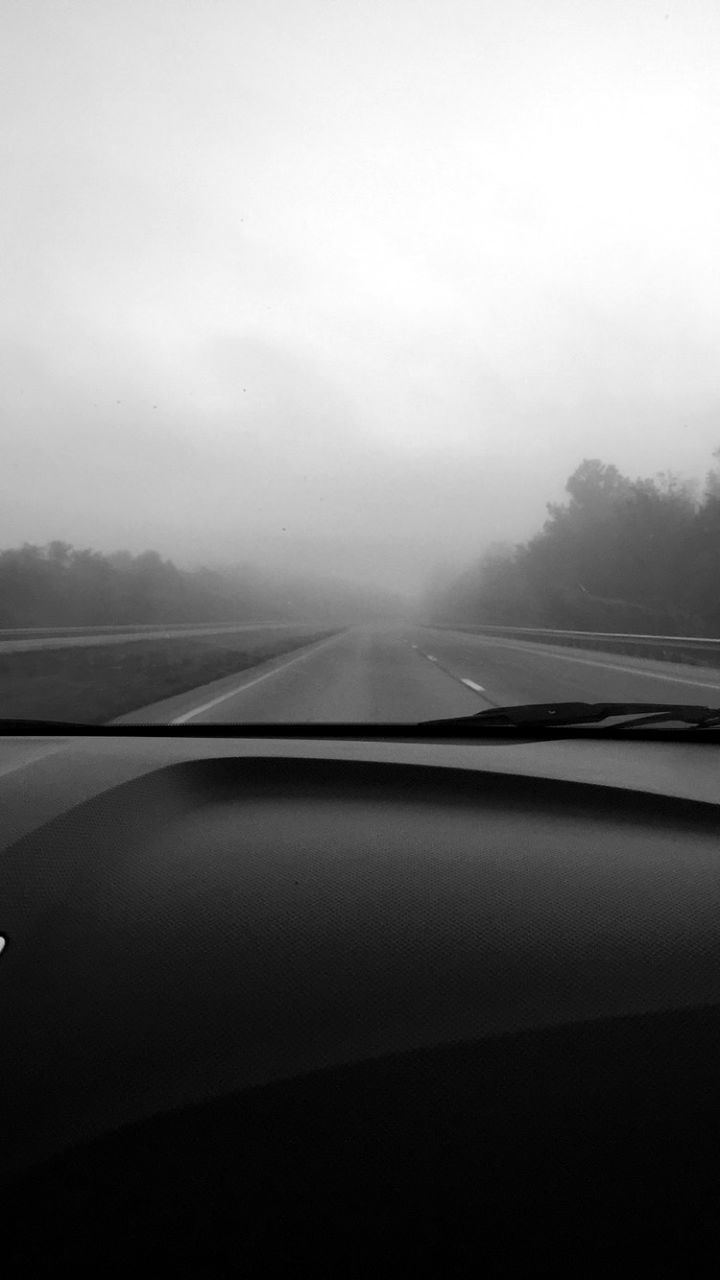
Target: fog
x,y
350,289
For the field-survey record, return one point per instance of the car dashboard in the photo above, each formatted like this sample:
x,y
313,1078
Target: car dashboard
x,y
345,1002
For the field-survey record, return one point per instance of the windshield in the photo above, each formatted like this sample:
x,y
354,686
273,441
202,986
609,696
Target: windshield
x,y
359,360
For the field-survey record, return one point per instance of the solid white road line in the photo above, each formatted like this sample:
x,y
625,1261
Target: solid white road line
x,y
472,685
609,666
215,702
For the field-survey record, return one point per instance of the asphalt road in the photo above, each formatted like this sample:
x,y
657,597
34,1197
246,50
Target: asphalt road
x,y
405,674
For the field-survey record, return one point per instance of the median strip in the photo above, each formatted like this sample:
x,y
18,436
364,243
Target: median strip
x,y
97,685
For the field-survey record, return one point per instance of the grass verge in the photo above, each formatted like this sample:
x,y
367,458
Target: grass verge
x,y
95,685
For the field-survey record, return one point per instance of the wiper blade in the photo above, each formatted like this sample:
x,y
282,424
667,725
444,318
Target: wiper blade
x,y
548,715
535,717
8,727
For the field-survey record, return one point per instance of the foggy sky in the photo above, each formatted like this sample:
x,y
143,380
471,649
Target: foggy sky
x,y
350,286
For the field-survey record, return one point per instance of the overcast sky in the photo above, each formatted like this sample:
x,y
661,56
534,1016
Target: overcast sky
x,y
355,284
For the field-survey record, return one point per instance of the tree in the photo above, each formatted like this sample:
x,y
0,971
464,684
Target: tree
x,y
640,555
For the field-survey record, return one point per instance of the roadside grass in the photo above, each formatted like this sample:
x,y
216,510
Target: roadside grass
x,y
95,685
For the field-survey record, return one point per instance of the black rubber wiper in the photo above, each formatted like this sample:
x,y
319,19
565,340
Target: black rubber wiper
x,y
541,719
38,728
548,715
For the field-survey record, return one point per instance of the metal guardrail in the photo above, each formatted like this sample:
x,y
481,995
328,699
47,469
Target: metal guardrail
x,y
29,633
24,641
694,650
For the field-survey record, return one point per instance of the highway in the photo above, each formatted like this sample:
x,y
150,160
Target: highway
x,y
406,673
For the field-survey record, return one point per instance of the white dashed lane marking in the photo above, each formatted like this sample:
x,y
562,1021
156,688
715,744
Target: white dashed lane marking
x,y
470,684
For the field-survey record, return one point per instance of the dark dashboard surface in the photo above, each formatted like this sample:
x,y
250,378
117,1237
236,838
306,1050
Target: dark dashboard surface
x,y
472,977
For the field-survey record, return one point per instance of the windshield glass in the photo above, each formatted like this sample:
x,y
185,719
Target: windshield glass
x,y
359,360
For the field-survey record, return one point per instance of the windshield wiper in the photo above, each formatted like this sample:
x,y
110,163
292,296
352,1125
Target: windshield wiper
x,y
541,718
37,728
548,715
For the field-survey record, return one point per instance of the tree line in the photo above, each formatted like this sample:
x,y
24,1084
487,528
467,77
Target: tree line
x,y
60,585
640,556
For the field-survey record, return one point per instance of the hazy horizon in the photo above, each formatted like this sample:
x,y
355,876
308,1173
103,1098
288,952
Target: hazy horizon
x,y
350,290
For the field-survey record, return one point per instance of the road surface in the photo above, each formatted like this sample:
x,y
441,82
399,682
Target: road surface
x,y
408,673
